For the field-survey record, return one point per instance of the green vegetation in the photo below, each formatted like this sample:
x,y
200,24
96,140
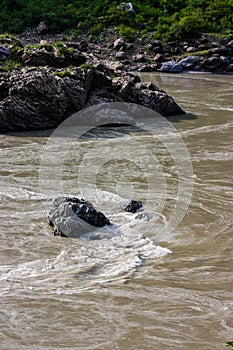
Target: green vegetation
x,y
63,73
15,45
87,66
230,343
48,47
166,19
127,33
9,65
62,50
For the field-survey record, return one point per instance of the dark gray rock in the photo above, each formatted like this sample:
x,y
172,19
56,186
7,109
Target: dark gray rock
x,y
147,68
42,28
224,51
149,95
140,58
4,85
159,58
50,55
120,55
133,206
119,44
4,52
74,217
37,98
230,44
212,63
229,68
156,46
224,60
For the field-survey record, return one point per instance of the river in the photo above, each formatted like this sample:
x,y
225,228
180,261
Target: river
x,y
146,288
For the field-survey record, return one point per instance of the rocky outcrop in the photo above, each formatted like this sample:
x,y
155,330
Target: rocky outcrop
x,y
74,217
57,55
132,90
39,98
35,98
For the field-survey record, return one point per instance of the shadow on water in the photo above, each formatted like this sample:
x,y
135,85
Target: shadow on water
x,y
180,117
109,130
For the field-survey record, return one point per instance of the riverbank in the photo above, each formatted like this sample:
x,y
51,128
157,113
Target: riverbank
x,y
209,53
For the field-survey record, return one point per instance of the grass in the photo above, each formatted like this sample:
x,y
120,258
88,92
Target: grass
x,y
10,65
48,47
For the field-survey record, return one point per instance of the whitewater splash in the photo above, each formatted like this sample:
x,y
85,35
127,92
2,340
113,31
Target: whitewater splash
x,y
82,263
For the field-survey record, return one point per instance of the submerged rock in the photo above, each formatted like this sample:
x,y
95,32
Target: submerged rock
x,y
133,206
74,217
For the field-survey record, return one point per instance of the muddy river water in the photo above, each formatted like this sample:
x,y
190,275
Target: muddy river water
x,y
146,288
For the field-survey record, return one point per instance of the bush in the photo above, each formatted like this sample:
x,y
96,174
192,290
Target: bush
x,y
170,19
189,26
127,33
96,29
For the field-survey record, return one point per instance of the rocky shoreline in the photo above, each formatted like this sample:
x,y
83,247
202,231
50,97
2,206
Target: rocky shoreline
x,y
209,53
56,78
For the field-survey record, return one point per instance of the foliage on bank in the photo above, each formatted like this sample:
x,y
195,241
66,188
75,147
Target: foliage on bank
x,y
164,18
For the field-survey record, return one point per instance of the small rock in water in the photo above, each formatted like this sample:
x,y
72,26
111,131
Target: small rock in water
x,y
133,206
74,217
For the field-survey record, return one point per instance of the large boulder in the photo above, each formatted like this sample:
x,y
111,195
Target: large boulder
x,y
74,217
171,67
38,98
225,51
212,63
132,90
189,62
56,55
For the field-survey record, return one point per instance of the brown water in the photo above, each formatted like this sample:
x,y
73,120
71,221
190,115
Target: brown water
x,y
172,290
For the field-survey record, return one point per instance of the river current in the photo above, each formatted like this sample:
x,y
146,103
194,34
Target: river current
x,y
147,288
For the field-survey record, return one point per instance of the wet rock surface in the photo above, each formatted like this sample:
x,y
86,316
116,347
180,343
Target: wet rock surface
x,y
133,206
74,217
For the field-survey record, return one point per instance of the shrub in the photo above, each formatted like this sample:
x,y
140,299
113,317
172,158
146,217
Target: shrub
x,y
127,33
189,26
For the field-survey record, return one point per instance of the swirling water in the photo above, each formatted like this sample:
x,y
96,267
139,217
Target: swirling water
x,y
143,289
